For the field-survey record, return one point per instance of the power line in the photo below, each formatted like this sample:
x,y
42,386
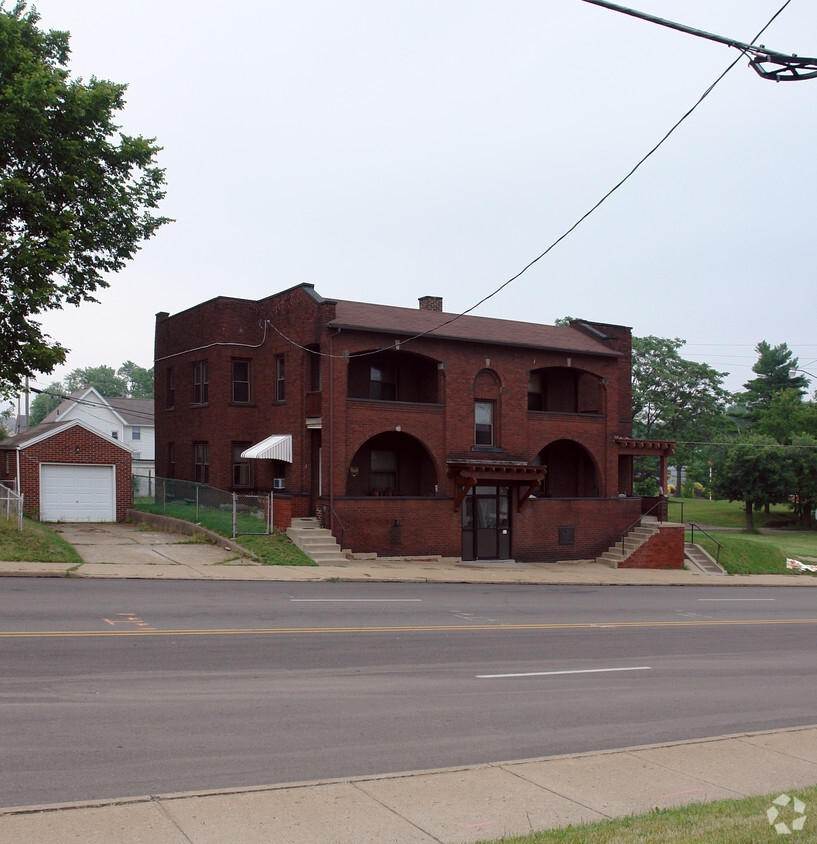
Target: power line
x,y
567,232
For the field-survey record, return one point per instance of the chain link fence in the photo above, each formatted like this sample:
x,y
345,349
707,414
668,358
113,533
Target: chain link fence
x,y
228,513
11,505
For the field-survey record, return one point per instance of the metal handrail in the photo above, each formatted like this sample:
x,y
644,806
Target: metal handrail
x,y
692,527
337,517
659,503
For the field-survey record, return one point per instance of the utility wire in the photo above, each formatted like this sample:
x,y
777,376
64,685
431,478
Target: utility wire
x,y
568,232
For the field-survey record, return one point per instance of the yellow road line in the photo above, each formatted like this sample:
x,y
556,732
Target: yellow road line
x,y
266,631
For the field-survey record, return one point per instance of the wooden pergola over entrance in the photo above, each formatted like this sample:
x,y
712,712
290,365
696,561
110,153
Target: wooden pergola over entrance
x,y
523,476
648,448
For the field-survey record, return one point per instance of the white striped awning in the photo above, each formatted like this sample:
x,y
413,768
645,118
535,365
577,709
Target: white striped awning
x,y
276,447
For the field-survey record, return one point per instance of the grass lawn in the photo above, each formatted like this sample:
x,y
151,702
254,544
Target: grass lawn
x,y
749,553
35,543
722,822
274,549
730,514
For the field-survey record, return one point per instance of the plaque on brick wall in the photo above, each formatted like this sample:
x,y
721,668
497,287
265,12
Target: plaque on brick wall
x,y
567,534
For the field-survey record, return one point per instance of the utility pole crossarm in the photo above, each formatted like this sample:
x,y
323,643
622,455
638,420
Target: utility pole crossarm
x,y
769,64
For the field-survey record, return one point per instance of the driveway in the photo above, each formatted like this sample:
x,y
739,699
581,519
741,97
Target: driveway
x,y
139,545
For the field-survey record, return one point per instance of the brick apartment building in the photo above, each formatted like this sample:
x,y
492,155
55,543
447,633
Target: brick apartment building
x,y
410,431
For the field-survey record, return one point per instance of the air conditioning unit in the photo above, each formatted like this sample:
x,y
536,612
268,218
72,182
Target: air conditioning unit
x,y
279,483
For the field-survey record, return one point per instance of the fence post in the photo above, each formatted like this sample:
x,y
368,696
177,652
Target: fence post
x,y
271,526
197,504
20,513
234,507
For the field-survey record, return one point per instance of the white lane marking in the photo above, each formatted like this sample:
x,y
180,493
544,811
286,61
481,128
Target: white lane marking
x,y
550,673
737,599
355,600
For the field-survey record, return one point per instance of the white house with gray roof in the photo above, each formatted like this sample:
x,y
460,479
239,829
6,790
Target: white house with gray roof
x,y
128,420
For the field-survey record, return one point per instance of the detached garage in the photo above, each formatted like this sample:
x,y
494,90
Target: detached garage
x,y
68,473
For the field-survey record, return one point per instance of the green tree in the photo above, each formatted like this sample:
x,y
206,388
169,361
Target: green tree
x,y
139,381
803,461
757,471
786,416
776,370
102,378
674,398
44,402
76,196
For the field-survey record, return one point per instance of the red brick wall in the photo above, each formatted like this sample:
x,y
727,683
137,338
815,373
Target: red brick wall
x,y
445,429
62,448
665,550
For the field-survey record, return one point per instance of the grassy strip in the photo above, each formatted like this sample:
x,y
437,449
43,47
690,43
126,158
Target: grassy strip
x,y
748,553
743,554
35,543
730,514
274,549
722,822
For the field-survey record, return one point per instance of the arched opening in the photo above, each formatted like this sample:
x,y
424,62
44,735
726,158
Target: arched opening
x,y
571,471
562,389
391,463
393,376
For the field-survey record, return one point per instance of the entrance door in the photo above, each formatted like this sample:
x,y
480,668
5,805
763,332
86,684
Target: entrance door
x,y
486,526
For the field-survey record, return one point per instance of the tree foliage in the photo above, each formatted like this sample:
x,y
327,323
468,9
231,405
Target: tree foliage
x,y
757,471
803,462
45,401
138,380
76,196
674,397
776,370
129,381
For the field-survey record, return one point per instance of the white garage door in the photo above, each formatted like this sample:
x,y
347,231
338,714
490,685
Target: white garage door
x,y
71,492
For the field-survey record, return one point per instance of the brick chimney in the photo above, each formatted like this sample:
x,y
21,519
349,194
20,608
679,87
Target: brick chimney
x,y
431,303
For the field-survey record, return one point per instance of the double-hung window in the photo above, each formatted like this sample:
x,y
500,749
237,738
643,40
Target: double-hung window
x,y
241,382
280,379
484,423
201,386
383,381
383,468
171,388
241,465
201,459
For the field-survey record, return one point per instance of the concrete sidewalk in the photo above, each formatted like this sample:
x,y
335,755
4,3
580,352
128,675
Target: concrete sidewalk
x,y
140,552
455,805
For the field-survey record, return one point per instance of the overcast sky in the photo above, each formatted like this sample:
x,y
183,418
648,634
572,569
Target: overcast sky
x,y
388,150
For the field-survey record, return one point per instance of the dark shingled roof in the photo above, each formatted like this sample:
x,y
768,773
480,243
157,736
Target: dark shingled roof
x,y
409,321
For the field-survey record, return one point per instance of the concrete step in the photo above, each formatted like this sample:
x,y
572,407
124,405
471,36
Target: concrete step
x,y
696,557
316,542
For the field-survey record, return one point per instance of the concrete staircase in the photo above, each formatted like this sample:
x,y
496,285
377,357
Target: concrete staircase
x,y
316,542
696,558
619,552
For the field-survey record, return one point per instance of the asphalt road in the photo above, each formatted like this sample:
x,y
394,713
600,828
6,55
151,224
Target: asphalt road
x,y
122,688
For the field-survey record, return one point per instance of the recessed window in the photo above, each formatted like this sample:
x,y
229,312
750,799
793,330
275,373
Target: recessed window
x,y
383,468
280,379
241,381
136,432
171,388
115,434
201,459
241,465
383,381
483,423
201,386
